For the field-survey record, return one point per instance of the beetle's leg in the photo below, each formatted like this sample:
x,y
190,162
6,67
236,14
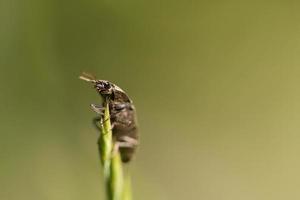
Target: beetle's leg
x,y
98,109
121,106
97,122
130,142
112,125
125,142
105,120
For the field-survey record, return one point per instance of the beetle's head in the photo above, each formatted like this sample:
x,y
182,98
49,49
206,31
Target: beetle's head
x,y
104,87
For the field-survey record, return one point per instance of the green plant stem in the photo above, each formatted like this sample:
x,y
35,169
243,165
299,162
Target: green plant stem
x,y
127,195
111,160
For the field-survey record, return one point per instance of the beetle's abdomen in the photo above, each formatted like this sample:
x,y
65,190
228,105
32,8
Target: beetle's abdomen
x,y
123,119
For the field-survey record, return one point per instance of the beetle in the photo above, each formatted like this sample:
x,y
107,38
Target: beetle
x,y
122,115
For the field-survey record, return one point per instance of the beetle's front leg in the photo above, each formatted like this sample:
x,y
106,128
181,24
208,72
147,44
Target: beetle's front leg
x,y
97,121
98,109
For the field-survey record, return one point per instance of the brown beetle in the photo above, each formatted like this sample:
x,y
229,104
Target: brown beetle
x,y
122,115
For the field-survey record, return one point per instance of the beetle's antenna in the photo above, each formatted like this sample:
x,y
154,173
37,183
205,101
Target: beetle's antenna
x,y
88,77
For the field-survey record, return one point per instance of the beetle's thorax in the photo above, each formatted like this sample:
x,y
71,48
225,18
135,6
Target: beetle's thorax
x,y
109,90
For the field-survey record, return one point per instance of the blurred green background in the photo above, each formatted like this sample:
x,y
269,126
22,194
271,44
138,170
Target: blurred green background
x,y
215,83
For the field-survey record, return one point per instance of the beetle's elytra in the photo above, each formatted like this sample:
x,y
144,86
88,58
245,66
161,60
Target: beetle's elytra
x,y
122,115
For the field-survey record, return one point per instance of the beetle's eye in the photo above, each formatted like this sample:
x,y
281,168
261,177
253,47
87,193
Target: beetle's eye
x,y
106,85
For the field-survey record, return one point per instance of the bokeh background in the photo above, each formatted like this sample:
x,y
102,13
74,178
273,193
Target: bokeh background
x,y
215,83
